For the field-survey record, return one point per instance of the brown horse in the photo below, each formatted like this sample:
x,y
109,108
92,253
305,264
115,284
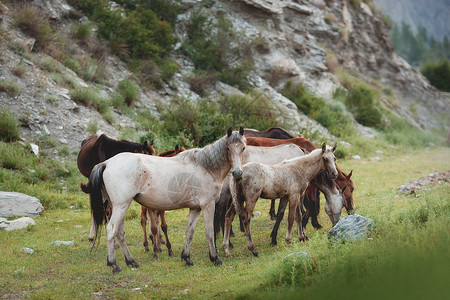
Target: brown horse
x,y
310,201
155,216
96,149
273,133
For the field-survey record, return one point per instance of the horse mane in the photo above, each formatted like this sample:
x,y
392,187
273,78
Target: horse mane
x,y
88,139
112,145
213,155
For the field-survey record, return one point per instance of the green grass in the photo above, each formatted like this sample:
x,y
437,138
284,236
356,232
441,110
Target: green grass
x,y
352,270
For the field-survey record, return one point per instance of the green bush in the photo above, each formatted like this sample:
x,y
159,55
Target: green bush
x,y
438,74
89,97
9,130
331,116
360,101
9,87
140,30
211,47
83,31
129,90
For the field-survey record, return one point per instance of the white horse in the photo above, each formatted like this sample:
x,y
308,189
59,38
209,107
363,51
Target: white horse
x,y
192,179
288,179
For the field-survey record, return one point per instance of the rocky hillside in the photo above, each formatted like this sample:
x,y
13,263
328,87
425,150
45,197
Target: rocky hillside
x,y
308,42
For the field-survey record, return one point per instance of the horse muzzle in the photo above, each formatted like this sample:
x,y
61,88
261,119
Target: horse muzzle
x,y
237,174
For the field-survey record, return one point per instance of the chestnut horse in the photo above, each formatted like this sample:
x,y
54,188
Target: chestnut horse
x,y
287,180
310,201
157,215
192,179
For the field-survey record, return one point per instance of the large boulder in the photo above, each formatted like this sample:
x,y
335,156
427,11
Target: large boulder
x,y
20,205
350,228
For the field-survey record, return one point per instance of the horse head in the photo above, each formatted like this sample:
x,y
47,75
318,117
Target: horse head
x,y
329,160
345,181
235,144
147,148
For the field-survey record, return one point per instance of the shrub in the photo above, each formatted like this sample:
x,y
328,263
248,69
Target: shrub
x,y
9,130
333,116
9,87
33,22
19,70
360,102
201,80
129,90
82,32
438,74
89,97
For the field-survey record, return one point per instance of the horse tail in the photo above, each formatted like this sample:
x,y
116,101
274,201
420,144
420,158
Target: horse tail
x,y
86,188
237,195
95,187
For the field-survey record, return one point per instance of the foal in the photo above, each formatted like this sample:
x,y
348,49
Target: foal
x,y
288,179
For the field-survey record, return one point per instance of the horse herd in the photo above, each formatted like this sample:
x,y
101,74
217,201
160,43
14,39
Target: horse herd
x,y
221,180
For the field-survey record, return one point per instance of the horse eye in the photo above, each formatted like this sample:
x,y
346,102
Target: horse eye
x,y
228,148
243,149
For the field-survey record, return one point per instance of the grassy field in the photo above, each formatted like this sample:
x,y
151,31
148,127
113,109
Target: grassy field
x,y
408,229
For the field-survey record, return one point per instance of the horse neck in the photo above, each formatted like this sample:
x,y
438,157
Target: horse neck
x,y
310,165
214,158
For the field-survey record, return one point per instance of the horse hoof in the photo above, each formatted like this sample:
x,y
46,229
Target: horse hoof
x,y
189,262
116,269
231,245
155,257
232,234
218,262
274,243
132,262
255,253
170,253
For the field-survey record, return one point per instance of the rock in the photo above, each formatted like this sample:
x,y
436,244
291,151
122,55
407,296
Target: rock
x,y
35,149
17,224
356,157
296,255
256,214
185,291
350,228
376,158
62,243
28,250
18,204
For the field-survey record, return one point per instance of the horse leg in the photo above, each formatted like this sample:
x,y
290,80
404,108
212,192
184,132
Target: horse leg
x,y
315,207
208,217
192,223
306,213
280,215
300,229
249,207
272,214
144,227
91,237
113,229
121,239
154,225
294,200
229,216
164,228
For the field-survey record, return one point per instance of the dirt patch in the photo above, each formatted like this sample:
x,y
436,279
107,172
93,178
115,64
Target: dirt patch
x,y
424,182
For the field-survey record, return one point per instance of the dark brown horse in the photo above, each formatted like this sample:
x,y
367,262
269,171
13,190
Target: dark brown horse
x,y
155,216
273,133
310,201
96,149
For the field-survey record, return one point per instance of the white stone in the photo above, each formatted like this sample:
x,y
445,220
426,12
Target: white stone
x,y
18,204
17,224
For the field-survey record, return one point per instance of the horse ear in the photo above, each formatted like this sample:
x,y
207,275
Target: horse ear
x,y
177,148
241,131
334,147
229,132
324,147
145,144
349,175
